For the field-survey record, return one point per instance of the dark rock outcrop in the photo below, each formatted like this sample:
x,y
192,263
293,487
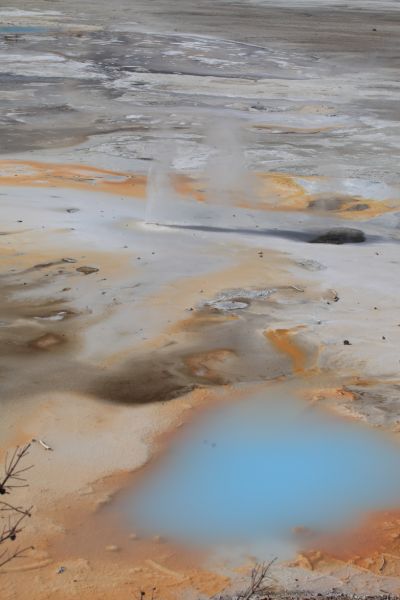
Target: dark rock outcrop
x,y
339,235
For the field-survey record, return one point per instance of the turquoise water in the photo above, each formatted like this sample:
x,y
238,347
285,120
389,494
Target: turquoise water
x,y
253,471
21,29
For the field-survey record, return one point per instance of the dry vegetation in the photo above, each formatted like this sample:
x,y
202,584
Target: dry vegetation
x,y
12,516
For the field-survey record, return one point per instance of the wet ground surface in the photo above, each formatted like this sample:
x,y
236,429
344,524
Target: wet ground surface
x,y
316,88
164,167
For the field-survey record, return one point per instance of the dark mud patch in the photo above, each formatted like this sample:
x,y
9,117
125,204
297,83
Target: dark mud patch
x,y
329,203
358,207
211,349
33,320
167,374
140,382
46,265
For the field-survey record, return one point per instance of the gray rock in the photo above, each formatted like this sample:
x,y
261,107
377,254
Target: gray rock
x,y
311,265
340,235
238,298
229,305
87,270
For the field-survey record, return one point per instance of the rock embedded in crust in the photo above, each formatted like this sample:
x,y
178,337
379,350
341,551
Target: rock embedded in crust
x,y
46,341
357,207
311,265
230,305
340,235
87,270
237,298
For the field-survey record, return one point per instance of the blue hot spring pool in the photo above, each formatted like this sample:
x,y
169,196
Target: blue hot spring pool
x,y
20,29
252,471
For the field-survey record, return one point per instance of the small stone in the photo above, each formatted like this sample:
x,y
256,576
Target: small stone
x,y
69,260
311,265
358,207
112,548
103,500
87,270
72,210
46,341
133,536
346,343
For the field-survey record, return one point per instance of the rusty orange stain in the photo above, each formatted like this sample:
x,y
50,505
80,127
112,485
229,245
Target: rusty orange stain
x,y
72,176
283,340
189,186
272,191
199,320
332,393
374,544
206,364
283,193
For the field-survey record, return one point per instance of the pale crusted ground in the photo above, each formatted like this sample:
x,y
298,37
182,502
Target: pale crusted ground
x,y
104,366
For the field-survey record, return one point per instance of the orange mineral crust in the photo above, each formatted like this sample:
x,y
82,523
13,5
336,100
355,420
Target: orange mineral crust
x,y
271,191
373,545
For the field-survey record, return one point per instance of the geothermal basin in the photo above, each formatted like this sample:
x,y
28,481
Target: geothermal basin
x,y
259,471
199,299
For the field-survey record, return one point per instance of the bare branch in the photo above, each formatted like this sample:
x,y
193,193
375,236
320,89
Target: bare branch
x,y
12,472
5,506
258,584
7,556
12,516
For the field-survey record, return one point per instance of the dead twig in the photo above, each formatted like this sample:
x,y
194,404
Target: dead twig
x,y
12,516
8,556
12,472
258,584
5,506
